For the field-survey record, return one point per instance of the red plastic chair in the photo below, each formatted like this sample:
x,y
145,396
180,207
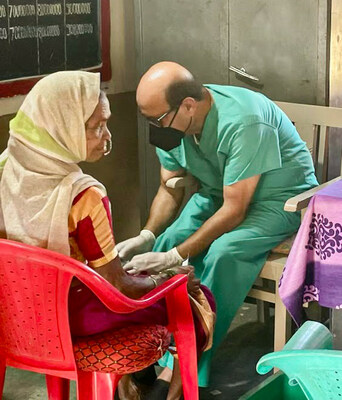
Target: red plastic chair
x,y
34,324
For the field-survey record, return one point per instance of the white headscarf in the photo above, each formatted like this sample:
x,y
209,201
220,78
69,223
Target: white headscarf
x,y
40,176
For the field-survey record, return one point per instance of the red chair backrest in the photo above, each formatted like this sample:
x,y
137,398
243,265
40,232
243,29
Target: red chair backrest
x,y
34,324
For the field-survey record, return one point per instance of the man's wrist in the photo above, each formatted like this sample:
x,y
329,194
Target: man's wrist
x,y
148,235
174,258
180,250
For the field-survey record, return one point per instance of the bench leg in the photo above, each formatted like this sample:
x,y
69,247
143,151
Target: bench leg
x,y
263,311
282,324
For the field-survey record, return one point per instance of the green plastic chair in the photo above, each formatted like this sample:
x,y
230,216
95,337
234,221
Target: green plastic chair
x,y
308,361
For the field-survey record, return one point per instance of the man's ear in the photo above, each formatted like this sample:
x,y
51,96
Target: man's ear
x,y
190,104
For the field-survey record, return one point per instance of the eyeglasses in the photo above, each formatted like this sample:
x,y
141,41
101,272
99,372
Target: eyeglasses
x,y
157,121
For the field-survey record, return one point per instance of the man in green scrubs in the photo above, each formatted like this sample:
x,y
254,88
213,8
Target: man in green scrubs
x,y
248,159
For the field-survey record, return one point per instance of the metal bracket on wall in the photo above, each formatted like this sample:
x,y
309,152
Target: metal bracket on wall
x,y
242,72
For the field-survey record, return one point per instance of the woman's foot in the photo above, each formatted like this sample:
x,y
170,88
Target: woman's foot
x,y
168,385
127,389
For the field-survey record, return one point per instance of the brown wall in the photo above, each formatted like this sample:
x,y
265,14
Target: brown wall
x,y
4,121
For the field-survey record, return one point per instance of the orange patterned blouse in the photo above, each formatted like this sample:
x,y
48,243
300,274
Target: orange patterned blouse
x,y
90,229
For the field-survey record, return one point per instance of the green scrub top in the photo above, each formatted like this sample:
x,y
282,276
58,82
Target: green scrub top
x,y
245,134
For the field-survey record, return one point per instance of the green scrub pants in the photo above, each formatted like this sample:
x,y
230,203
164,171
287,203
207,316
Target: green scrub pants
x,y
232,262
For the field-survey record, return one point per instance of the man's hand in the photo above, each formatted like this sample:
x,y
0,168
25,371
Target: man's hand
x,y
153,263
142,243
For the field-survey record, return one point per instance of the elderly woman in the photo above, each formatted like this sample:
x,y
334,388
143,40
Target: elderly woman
x,y
47,201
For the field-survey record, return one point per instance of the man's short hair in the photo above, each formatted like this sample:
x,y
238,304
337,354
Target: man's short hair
x,y
179,90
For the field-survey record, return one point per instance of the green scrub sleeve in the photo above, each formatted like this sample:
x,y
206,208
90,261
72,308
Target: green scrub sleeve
x,y
167,161
252,150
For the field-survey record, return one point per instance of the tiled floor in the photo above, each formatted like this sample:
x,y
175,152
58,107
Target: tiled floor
x,y
233,371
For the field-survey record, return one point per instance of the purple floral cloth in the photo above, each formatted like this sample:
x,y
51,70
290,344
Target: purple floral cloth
x,y
313,271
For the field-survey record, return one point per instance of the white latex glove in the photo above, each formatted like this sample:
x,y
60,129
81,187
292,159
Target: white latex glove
x,y
139,244
153,262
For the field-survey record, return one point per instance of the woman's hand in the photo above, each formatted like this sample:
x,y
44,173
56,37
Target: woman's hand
x,y
193,282
135,287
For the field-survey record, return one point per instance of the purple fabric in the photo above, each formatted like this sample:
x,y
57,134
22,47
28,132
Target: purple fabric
x,y
88,315
313,271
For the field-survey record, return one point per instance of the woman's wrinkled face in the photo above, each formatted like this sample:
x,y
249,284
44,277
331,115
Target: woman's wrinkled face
x,y
97,133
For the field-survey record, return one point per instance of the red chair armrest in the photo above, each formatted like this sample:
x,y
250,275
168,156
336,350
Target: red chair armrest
x,y
162,290
118,302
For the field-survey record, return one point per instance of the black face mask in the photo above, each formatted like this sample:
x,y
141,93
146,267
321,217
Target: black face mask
x,y
165,138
